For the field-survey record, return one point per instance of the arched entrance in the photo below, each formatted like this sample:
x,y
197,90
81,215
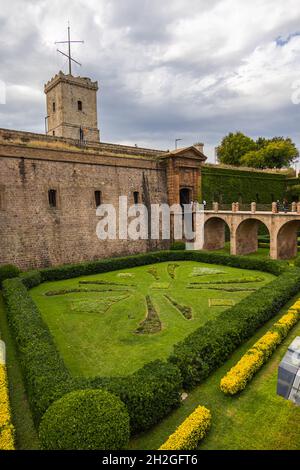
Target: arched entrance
x,y
185,196
246,236
287,240
214,233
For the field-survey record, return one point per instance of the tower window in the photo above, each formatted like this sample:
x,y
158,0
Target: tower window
x,y
53,106
52,197
53,132
79,105
136,197
98,198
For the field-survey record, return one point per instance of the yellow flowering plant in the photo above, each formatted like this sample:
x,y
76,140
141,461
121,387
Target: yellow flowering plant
x,y
189,434
239,375
6,427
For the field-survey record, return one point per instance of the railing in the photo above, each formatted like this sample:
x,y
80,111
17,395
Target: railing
x,y
263,207
225,207
254,207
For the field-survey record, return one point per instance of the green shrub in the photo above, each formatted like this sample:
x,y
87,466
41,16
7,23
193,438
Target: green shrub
x,y
85,420
31,279
210,345
44,372
177,246
102,266
149,394
8,271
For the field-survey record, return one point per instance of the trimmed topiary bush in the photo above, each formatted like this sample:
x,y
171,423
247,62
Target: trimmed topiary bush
x,y
189,434
85,420
150,393
7,271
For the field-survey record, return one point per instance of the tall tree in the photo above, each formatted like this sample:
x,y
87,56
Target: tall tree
x,y
233,147
272,153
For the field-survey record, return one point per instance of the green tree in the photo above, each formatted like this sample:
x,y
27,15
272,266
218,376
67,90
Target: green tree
x,y
272,153
253,159
233,147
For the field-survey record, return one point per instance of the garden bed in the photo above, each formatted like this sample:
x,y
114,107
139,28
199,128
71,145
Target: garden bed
x,y
154,390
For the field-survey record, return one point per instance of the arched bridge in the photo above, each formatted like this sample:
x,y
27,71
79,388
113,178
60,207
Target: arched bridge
x,y
242,225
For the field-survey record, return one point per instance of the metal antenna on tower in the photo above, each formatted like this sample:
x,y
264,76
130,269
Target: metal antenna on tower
x,y
69,50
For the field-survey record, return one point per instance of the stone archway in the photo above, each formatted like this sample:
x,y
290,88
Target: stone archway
x,y
246,236
214,233
287,240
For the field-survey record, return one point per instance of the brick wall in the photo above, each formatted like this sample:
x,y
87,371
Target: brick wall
x,y
35,235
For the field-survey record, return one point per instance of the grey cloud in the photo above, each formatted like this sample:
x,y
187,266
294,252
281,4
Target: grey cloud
x,y
130,42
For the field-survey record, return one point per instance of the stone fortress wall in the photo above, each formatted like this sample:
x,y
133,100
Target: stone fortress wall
x,y
34,234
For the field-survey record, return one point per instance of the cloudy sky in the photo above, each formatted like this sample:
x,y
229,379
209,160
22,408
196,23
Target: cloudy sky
x,y
167,69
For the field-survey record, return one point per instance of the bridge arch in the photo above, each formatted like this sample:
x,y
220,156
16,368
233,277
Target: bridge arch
x,y
246,236
214,233
287,239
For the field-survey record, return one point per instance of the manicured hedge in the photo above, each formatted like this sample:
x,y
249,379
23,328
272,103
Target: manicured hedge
x,y
149,394
8,271
189,434
85,420
44,371
31,279
178,245
210,345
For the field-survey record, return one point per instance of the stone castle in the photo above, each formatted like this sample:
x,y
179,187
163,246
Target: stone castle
x,y
51,185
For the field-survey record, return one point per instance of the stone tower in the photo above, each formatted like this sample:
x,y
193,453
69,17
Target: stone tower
x,y
72,107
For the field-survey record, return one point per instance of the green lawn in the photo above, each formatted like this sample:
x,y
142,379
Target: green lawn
x,y
26,436
261,253
255,419
94,331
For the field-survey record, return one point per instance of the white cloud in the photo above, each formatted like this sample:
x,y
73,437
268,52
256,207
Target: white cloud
x,y
188,67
